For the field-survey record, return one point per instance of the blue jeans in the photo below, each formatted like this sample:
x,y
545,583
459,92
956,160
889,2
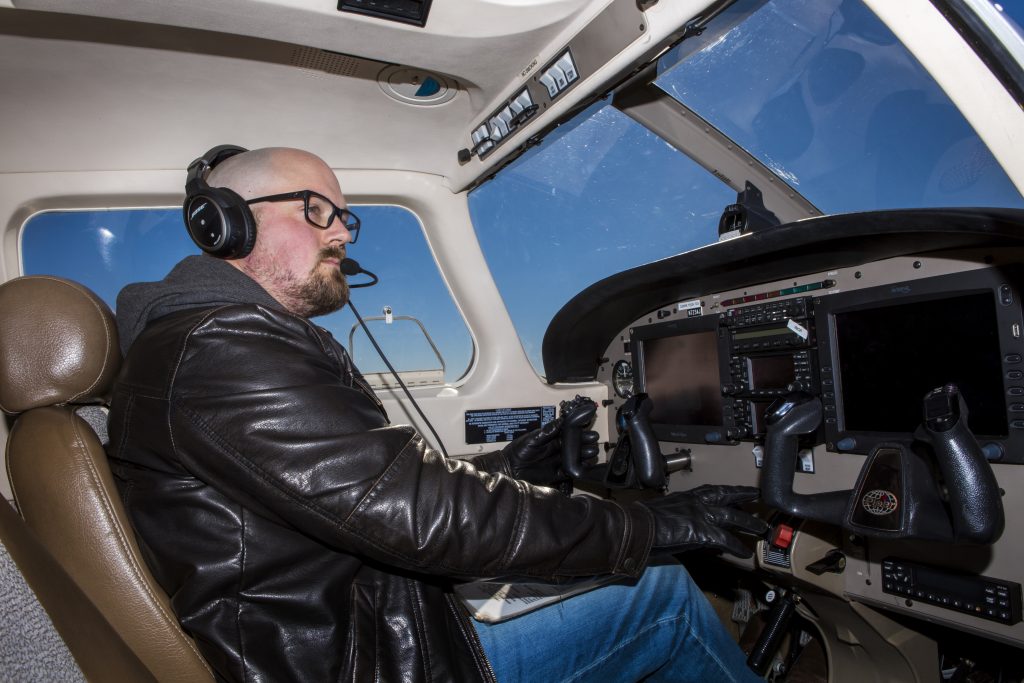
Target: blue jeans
x,y
659,628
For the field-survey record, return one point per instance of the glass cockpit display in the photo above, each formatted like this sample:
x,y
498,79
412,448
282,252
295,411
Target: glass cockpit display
x,y
868,355
771,372
883,348
698,400
891,356
679,366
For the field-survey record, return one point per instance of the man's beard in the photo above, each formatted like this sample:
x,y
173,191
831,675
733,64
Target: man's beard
x,y
319,294
322,293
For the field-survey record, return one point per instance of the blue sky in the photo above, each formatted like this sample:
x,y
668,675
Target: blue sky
x,y
819,90
106,250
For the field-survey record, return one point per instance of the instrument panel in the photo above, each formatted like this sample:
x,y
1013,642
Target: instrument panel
x,y
870,355
868,341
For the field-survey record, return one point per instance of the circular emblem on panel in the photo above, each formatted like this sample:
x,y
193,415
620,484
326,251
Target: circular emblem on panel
x,y
880,502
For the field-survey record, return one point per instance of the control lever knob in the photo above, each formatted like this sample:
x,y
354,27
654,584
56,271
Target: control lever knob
x,y
834,562
577,415
774,632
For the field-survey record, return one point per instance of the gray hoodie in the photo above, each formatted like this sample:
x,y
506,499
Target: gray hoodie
x,y
196,281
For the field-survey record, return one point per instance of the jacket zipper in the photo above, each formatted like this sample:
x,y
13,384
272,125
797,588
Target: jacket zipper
x,y
474,638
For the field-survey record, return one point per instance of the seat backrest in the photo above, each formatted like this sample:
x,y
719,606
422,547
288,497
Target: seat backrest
x,y
49,629
59,350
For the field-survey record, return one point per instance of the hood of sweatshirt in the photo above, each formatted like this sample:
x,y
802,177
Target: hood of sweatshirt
x,y
197,281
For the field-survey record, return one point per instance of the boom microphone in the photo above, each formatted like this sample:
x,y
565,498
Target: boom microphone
x,y
351,267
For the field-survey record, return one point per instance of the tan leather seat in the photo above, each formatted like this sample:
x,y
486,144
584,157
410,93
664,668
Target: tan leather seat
x,y
30,650
59,350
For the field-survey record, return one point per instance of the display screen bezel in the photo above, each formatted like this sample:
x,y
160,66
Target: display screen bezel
x,y
838,436
680,432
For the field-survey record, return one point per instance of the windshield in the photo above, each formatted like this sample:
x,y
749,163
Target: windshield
x,y
820,91
600,195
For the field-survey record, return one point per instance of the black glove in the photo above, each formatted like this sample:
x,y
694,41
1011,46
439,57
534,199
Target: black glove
x,y
699,518
536,456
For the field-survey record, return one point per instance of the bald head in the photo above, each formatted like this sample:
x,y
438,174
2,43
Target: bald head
x,y
260,171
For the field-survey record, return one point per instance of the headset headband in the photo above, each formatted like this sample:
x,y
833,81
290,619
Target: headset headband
x,y
197,170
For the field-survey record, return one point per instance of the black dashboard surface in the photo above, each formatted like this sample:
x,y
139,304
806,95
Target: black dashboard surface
x,y
581,331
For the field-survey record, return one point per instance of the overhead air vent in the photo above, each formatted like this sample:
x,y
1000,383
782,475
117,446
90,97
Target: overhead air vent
x,y
318,62
406,11
416,86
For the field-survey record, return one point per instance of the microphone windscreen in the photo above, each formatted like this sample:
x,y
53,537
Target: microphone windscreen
x,y
350,267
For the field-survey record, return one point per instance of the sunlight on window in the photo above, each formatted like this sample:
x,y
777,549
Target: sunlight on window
x,y
827,97
108,249
602,194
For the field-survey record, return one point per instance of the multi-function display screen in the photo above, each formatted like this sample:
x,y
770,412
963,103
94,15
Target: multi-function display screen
x,y
681,377
891,356
771,372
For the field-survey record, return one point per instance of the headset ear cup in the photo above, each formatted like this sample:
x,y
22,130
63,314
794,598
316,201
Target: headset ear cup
x,y
248,229
220,222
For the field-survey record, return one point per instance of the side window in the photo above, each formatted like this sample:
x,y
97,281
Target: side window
x,y
391,245
425,337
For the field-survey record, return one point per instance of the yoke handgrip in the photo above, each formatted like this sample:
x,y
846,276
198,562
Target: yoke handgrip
x,y
647,457
974,501
576,416
787,420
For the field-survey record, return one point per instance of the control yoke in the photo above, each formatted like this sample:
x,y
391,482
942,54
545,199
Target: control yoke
x,y
577,415
637,460
647,457
898,492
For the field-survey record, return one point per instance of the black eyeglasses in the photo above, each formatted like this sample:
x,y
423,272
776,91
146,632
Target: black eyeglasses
x,y
320,211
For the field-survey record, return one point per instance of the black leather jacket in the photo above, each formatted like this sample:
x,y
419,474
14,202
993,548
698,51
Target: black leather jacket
x,y
302,537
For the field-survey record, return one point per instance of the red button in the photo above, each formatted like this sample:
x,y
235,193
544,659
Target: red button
x,y
782,536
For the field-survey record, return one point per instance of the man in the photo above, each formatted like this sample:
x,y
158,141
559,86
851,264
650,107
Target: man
x,y
302,537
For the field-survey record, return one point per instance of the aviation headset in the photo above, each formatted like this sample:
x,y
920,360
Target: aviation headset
x,y
218,219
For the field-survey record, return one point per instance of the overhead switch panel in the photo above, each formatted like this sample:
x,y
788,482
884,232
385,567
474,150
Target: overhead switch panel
x,y
560,75
567,66
548,81
503,123
521,102
544,84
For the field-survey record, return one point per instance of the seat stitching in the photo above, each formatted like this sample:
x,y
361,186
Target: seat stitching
x,y
133,562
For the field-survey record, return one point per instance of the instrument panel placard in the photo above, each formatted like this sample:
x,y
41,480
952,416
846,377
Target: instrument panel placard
x,y
505,424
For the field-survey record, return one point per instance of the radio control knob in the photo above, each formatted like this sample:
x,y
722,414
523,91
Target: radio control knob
x,y
796,386
730,389
736,432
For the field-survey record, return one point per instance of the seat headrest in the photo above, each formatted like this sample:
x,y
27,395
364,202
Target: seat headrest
x,y
58,344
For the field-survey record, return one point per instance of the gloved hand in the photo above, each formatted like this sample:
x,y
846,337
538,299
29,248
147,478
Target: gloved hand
x,y
699,518
536,456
